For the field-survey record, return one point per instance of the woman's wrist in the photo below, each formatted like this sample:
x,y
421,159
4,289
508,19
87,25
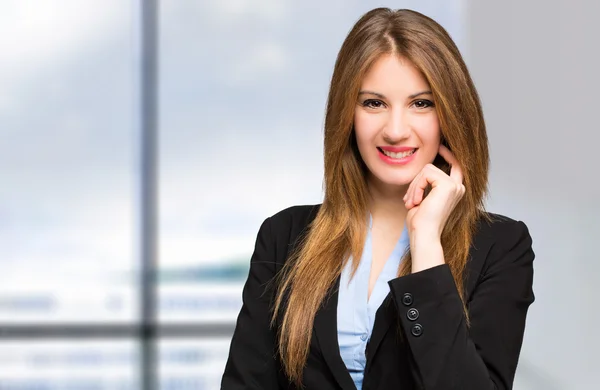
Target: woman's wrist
x,y
426,252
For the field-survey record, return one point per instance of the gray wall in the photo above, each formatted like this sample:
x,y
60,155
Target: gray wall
x,y
535,64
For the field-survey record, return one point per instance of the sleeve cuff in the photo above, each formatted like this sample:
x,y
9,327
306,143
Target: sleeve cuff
x,y
426,301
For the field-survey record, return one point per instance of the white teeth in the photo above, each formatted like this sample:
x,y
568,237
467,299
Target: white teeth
x,y
398,155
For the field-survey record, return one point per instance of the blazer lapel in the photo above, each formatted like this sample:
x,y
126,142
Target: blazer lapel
x,y
325,328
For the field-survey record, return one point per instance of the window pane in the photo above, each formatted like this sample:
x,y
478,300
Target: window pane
x,y
62,365
67,165
237,144
192,364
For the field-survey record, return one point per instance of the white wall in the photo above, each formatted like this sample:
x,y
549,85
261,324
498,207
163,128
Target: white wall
x,y
536,65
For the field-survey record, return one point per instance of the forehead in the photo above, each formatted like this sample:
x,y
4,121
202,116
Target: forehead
x,y
393,74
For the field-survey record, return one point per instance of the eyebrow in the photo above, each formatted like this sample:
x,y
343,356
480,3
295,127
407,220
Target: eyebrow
x,y
414,95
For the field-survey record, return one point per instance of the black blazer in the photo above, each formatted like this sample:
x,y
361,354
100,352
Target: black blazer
x,y
437,350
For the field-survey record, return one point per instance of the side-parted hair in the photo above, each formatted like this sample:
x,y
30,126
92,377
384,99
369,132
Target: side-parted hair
x,y
339,229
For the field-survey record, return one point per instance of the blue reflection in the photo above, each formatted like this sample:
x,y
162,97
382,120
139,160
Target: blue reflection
x,y
33,303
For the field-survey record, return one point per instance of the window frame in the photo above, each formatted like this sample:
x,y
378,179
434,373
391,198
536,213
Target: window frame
x,y
147,330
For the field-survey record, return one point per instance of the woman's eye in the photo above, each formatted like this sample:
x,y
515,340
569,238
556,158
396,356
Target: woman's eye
x,y
371,103
423,104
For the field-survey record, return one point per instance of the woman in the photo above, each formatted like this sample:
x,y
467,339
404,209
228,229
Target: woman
x,y
400,279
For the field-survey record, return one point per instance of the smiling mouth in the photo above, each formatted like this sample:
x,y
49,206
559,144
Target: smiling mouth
x,y
399,155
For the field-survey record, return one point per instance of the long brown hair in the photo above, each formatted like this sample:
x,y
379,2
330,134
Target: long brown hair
x,y
339,228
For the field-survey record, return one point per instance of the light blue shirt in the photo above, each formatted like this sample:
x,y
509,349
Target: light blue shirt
x,y
355,311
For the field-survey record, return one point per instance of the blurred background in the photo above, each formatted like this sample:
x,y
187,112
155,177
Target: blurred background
x,y
241,88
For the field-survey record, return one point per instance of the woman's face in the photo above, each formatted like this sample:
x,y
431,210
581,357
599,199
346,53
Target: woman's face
x,y
396,125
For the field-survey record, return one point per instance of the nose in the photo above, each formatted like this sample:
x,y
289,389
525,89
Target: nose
x,y
397,127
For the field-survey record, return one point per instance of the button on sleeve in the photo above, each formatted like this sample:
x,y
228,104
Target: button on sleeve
x,y
412,314
407,299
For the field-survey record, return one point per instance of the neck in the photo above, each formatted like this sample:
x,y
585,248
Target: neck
x,y
386,202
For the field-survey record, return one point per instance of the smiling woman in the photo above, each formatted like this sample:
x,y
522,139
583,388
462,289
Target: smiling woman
x,y
398,279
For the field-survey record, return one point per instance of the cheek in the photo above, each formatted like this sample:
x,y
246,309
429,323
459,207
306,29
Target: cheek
x,y
363,129
367,126
429,130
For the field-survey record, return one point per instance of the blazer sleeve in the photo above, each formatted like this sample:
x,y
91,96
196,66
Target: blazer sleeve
x,y
251,363
483,356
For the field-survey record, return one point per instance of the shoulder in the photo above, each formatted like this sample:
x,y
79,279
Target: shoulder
x,y
295,214
288,223
499,229
507,241
285,228
501,249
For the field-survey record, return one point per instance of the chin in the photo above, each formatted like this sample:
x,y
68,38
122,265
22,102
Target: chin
x,y
391,181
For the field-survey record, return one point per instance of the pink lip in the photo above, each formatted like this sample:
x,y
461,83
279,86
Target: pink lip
x,y
396,161
397,149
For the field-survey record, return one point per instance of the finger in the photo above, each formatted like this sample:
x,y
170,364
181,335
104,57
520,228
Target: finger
x,y
419,190
420,184
411,186
455,168
415,192
408,198
430,174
